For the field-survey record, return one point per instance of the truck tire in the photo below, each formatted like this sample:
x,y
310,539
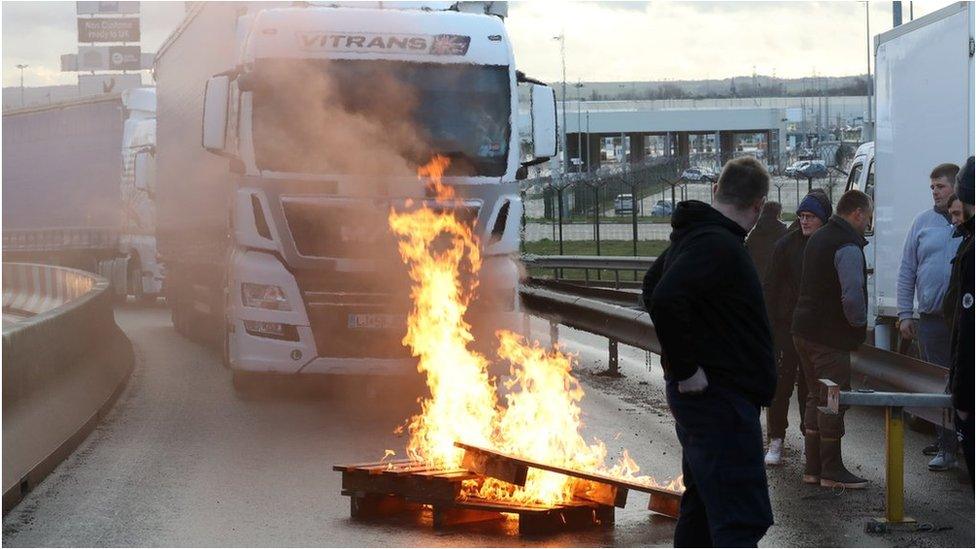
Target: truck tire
x,y
133,278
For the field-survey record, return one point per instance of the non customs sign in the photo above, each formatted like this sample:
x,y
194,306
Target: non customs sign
x,y
105,29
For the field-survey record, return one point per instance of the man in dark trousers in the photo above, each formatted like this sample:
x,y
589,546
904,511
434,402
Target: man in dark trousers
x,y
781,287
705,299
961,343
829,322
764,235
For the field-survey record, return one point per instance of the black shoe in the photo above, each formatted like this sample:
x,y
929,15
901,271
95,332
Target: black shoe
x,y
931,449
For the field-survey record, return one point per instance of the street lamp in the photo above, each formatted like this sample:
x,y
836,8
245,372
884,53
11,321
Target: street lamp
x,y
562,52
22,67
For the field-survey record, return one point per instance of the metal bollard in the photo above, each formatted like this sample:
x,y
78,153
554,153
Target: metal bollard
x,y
553,334
613,362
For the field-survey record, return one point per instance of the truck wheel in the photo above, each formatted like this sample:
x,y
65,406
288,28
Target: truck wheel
x,y
133,278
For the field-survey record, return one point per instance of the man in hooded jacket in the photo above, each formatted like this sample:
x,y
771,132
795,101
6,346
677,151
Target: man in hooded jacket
x,y
705,299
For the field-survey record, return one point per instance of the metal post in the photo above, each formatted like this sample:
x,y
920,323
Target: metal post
x,y
596,218
559,198
613,360
553,334
894,465
633,218
22,67
527,326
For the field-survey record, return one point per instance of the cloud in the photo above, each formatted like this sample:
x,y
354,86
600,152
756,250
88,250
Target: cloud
x,y
605,41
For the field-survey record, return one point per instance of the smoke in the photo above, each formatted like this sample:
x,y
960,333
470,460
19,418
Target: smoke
x,y
313,116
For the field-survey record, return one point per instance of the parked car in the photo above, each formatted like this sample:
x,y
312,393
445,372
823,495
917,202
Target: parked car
x,y
702,175
793,169
815,168
623,204
662,208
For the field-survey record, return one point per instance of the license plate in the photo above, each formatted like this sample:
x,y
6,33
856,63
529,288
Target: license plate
x,y
370,321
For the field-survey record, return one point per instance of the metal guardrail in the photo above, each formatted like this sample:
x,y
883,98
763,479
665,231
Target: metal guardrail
x,y
60,239
616,315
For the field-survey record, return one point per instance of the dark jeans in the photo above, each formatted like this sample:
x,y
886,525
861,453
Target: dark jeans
x,y
726,499
787,366
933,346
823,362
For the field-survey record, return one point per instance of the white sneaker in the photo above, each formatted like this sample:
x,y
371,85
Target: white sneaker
x,y
774,455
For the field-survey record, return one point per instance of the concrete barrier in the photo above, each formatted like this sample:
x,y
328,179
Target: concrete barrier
x,y
64,363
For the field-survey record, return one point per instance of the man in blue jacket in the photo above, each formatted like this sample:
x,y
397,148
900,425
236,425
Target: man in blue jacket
x,y
924,277
705,299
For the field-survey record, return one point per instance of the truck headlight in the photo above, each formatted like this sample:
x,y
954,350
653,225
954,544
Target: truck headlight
x,y
264,296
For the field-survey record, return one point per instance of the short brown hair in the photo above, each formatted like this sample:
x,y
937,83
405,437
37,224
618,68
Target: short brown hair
x,y
743,181
772,208
853,200
947,170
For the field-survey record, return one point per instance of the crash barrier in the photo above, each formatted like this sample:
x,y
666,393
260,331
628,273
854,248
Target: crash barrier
x,y
894,404
615,313
60,239
64,362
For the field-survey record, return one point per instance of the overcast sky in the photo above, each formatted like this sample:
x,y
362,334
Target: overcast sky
x,y
605,41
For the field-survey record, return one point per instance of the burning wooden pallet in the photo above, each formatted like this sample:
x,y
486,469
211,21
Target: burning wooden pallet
x,y
384,489
601,489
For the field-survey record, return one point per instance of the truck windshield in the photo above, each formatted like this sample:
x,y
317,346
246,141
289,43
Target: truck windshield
x,y
333,116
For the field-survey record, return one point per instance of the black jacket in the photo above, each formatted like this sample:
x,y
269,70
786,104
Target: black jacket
x,y
961,366
781,282
705,299
762,239
819,314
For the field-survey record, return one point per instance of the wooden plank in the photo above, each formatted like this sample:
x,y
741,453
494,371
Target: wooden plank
x,y
495,466
404,485
451,515
598,492
597,477
368,465
664,504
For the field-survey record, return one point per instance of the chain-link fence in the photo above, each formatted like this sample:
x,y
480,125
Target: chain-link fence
x,y
626,209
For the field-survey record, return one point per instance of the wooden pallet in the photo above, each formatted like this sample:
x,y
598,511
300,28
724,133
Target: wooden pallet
x,y
386,489
595,487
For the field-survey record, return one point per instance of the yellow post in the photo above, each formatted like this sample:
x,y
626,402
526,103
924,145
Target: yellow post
x,y
894,465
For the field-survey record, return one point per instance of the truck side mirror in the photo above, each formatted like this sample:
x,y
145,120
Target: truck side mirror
x,y
214,135
543,121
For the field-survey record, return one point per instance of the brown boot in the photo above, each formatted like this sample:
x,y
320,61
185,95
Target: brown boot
x,y
833,474
811,449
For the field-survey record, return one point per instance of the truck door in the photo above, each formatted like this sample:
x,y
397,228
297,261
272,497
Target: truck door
x,y
863,180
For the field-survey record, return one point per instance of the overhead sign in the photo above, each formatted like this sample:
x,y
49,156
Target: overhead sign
x,y
70,61
106,8
108,29
95,84
367,42
110,58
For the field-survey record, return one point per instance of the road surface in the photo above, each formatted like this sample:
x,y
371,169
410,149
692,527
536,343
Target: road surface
x,y
182,460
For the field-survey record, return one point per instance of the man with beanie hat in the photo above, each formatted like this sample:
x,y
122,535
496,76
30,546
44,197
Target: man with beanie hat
x,y
923,278
961,343
781,286
830,321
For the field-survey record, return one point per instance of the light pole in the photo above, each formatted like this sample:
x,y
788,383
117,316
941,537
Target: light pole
x,y
22,67
579,126
562,52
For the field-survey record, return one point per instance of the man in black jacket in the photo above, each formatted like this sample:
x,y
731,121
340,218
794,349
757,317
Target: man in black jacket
x,y
781,287
705,299
961,345
829,322
762,238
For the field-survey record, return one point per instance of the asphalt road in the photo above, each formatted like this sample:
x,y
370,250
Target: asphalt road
x,y
182,460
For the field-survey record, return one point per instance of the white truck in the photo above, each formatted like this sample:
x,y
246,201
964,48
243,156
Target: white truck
x,y
77,188
286,134
925,106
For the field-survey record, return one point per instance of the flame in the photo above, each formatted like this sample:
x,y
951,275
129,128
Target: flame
x,y
541,419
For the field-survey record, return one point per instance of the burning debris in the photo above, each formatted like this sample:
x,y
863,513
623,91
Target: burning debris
x,y
462,426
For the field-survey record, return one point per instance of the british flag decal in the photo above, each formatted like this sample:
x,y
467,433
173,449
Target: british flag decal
x,y
450,44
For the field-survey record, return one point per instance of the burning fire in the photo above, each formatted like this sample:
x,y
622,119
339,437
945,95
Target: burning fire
x,y
541,419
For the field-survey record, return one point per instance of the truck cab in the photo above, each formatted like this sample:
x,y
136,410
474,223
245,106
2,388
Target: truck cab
x,y
323,118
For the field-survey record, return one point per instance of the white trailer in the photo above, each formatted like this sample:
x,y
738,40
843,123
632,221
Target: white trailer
x,y
924,84
273,229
